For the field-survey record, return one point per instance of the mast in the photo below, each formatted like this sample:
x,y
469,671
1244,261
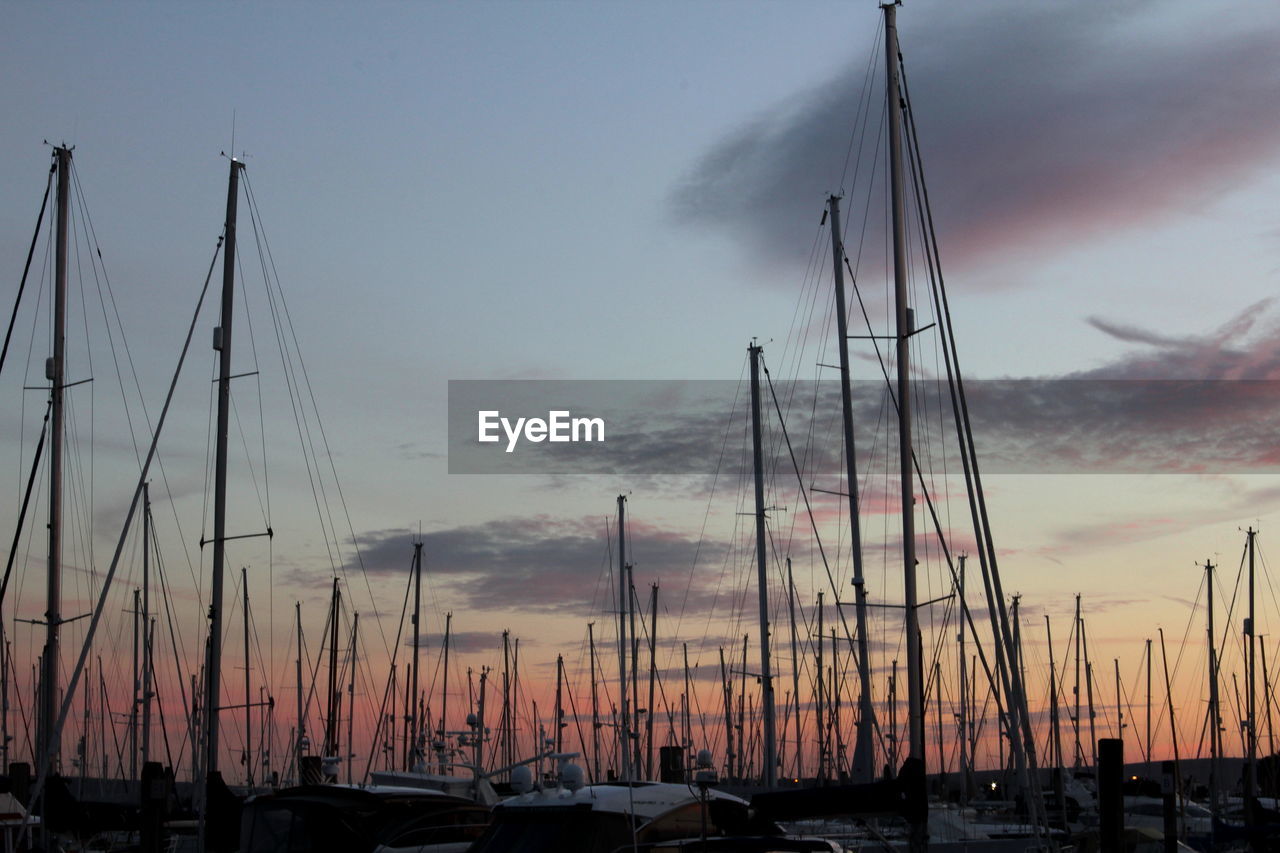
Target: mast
x,y
769,769
1148,694
727,690
248,704
863,759
795,669
1251,726
411,736
1075,720
653,675
595,705
331,719
148,624
137,687
1120,724
301,731
819,698
1215,712
624,716
351,696
558,735
444,690
632,606
48,740
905,328
221,343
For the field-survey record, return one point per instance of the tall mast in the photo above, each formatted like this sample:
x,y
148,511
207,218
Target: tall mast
x,y
334,698
411,736
444,692
632,606
137,685
595,705
148,624
1215,712
653,676
624,716
819,700
1148,753
769,769
301,732
48,740
351,697
1075,720
1120,724
905,328
1251,726
795,670
221,343
863,760
248,702
558,735
727,690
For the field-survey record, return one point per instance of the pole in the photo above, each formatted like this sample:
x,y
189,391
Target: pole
x,y
48,740
863,750
919,837
301,730
595,705
351,697
444,692
221,343
795,670
653,675
769,769
149,625
1215,712
411,736
248,710
624,716
1251,725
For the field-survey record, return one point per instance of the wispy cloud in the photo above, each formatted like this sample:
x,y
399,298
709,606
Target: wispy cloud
x,y
1040,124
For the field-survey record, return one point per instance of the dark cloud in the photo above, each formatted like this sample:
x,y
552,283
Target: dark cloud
x,y
1040,123
539,563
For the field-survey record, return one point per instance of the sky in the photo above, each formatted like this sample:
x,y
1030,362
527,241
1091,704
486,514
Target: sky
x,y
608,191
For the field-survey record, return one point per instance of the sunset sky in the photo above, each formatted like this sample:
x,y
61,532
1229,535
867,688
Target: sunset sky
x,y
569,190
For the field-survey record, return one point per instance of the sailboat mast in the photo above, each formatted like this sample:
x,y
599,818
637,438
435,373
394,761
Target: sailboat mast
x,y
653,676
1251,727
411,736
444,691
1215,713
769,768
595,705
148,625
904,329
624,716
863,760
331,719
221,343
351,697
795,670
49,741
301,733
248,703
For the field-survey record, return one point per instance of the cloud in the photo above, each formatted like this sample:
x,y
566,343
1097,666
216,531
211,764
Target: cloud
x,y
537,563
1040,124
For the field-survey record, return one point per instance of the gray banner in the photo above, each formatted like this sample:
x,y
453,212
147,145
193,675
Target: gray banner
x,y
699,427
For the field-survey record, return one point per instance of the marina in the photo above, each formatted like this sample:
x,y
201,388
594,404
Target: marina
x,y
324,534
